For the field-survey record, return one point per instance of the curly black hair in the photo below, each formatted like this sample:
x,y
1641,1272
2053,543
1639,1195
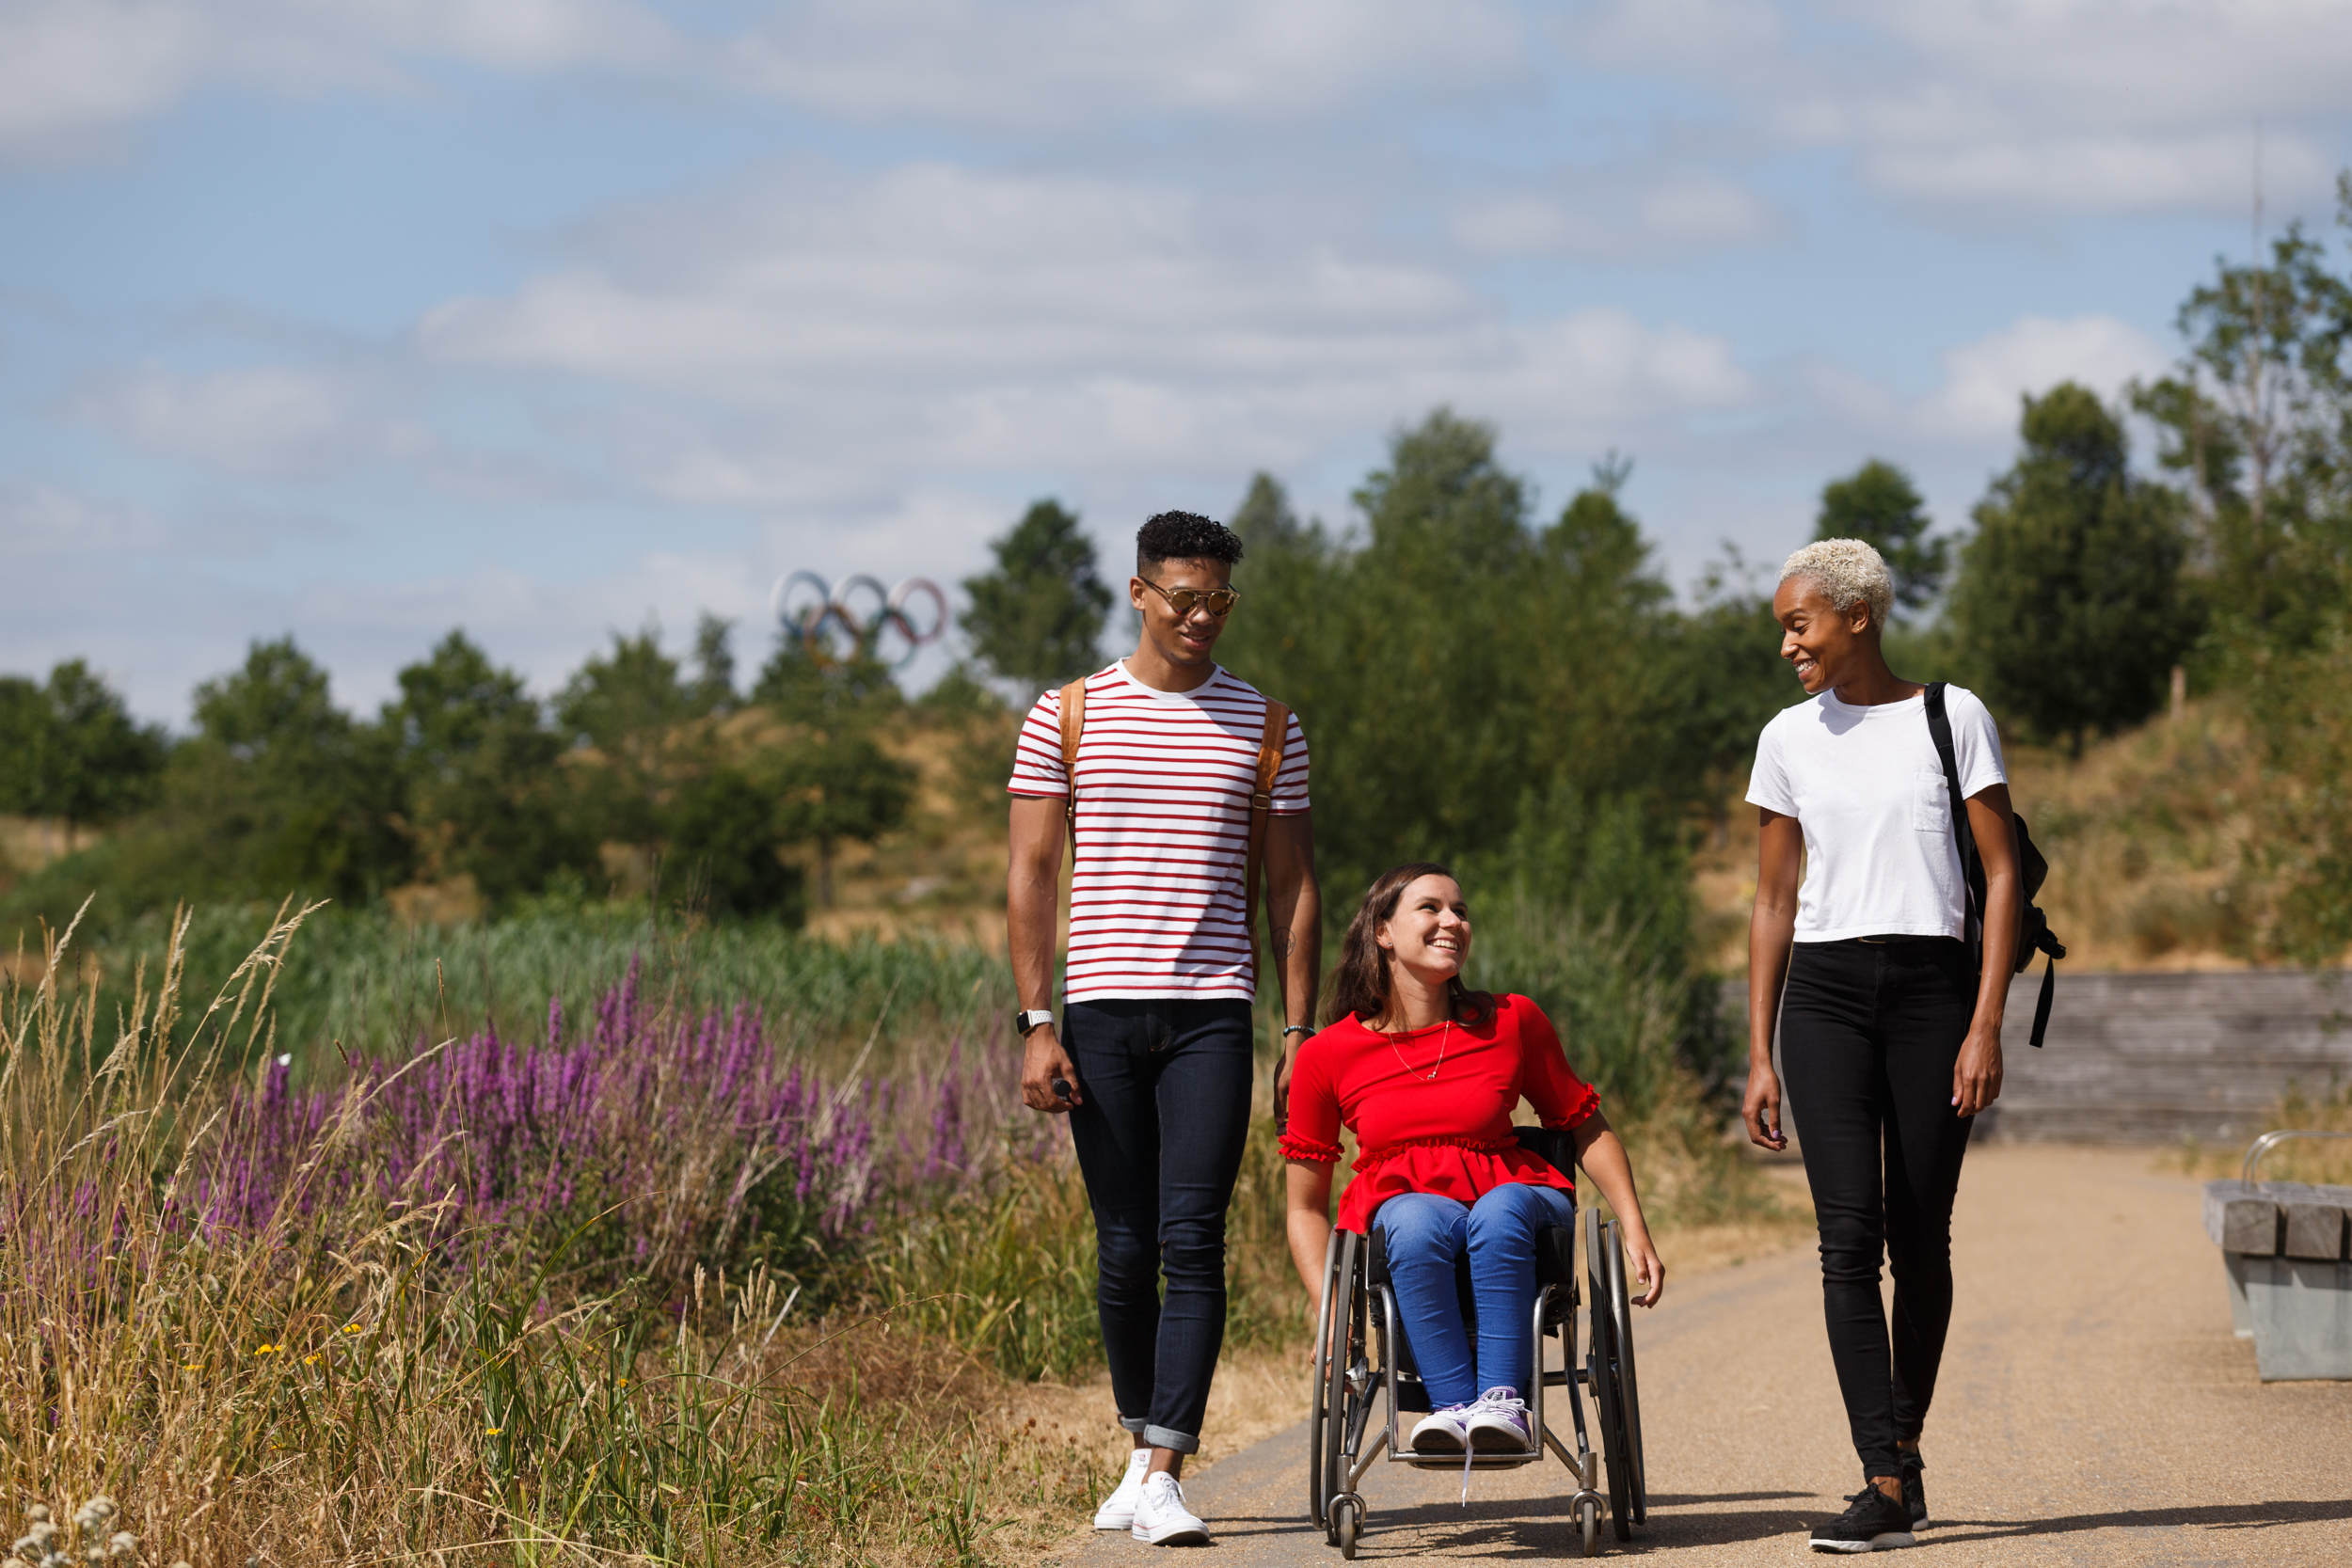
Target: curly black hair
x,y
1184,537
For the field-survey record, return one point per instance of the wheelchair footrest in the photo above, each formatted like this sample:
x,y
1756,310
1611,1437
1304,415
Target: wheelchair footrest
x,y
1490,1460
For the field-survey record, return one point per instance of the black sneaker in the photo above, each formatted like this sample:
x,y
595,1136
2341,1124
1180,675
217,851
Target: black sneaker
x,y
1873,1523
1914,1495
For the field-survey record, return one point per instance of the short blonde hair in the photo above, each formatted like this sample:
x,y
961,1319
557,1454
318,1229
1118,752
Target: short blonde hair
x,y
1849,571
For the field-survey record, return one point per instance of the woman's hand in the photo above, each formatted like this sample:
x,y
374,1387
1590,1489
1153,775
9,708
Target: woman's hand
x,y
1641,1258
1976,1076
1760,1108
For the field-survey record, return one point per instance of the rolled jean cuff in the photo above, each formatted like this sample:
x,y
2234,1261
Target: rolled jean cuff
x,y
1136,1424
1179,1442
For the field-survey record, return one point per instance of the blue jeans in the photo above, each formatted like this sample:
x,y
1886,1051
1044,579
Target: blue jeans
x,y
1166,1084
1422,1235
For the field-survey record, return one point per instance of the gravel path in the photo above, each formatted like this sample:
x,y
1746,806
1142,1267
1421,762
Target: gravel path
x,y
2094,1408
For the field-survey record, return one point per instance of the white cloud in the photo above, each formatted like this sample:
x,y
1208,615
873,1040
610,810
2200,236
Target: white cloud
x,y
269,421
1976,405
1616,214
71,71
1985,380
2027,105
814,334
44,520
1063,62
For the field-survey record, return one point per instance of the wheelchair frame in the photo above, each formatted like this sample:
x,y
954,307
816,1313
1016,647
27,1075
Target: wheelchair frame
x,y
1368,1366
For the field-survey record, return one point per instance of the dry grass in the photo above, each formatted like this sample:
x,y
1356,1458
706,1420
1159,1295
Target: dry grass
x,y
2151,839
2297,1160
298,1394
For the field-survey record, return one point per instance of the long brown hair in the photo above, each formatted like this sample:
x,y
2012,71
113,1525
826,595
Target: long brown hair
x,y
1359,987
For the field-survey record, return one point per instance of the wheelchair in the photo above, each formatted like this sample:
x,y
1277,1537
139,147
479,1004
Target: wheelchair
x,y
1361,1356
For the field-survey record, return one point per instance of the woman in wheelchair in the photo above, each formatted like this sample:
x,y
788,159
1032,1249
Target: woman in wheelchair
x,y
1427,1073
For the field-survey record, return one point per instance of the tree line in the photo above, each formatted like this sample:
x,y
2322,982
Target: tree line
x,y
644,765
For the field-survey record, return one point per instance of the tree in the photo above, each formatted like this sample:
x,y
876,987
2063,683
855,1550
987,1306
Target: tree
x,y
802,689
1264,519
723,834
839,785
71,751
1037,620
2070,597
2257,421
487,798
1877,503
714,664
278,791
627,705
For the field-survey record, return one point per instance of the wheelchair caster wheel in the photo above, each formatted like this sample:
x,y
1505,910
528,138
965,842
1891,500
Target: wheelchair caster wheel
x,y
1347,1519
1588,1526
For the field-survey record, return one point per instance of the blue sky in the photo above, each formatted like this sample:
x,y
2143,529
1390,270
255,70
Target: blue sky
x,y
362,319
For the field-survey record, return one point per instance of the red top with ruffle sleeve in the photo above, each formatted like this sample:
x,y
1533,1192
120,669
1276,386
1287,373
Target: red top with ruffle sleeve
x,y
1448,1134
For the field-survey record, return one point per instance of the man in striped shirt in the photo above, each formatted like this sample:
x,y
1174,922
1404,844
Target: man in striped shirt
x,y
1154,1044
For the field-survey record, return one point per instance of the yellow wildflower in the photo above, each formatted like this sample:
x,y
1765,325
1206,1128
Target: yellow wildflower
x,y
265,1350
492,1431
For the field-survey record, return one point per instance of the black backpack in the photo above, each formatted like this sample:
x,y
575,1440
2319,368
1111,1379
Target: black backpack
x,y
2033,928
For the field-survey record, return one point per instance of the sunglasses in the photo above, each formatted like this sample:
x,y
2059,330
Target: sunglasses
x,y
1216,601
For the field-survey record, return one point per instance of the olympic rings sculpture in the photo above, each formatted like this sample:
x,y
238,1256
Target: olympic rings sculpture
x,y
860,618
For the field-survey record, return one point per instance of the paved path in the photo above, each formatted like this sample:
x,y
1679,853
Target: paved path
x,y
2094,1408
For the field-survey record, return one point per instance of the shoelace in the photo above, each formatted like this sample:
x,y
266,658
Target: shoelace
x,y
1509,1404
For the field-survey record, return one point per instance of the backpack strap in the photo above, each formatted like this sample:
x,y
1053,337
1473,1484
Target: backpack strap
x,y
1972,864
1963,836
1073,723
1271,745
1272,742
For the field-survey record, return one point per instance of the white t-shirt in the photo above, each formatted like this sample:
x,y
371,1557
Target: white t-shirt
x,y
1867,788
1165,778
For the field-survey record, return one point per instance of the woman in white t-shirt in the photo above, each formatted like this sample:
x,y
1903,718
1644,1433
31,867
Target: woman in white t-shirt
x,y
1890,1019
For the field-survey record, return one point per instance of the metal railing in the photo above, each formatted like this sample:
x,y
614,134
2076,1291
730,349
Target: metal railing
x,y
2268,1141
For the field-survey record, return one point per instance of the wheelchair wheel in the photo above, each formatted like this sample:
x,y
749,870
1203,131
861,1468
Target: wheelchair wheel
x,y
1319,1419
1588,1526
1605,1272
1628,1387
1348,1312
1347,1519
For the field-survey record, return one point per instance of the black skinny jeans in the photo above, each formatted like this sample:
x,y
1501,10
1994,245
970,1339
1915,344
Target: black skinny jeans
x,y
1167,1085
1869,1033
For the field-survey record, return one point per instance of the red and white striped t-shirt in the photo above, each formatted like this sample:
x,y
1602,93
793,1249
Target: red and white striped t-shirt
x,y
1163,787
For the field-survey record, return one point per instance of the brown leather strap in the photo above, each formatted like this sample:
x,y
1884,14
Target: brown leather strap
x,y
1271,746
1272,743
1073,723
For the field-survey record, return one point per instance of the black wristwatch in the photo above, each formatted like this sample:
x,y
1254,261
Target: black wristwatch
x,y
1030,1018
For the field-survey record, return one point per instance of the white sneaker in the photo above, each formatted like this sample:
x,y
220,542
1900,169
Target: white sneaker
x,y
1162,1518
1119,1510
1500,1422
1441,1431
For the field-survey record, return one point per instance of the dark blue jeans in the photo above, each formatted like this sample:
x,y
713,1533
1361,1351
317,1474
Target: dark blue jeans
x,y
1166,1084
1869,1036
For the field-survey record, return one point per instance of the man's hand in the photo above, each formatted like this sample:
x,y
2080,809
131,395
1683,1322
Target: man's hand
x,y
1976,1076
1760,1109
1042,1060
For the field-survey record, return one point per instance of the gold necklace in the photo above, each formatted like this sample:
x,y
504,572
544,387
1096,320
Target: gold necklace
x,y
1432,1073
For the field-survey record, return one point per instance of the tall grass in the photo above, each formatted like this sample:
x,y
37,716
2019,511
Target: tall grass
x,y
365,978
219,1305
